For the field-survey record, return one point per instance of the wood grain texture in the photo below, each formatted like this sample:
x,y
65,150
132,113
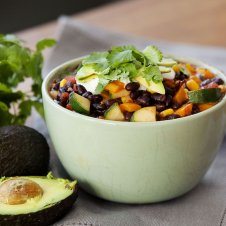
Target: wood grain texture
x,y
193,21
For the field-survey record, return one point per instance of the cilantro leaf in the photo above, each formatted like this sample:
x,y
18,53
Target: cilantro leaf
x,y
116,58
152,73
45,43
153,54
18,63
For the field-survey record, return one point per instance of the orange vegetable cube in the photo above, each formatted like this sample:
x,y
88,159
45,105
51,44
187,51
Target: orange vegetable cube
x,y
126,99
114,87
207,74
105,95
181,96
195,78
185,110
192,84
130,107
176,68
166,112
191,69
203,107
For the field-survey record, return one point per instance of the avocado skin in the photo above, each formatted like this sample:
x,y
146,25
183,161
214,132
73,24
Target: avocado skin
x,y
23,151
43,217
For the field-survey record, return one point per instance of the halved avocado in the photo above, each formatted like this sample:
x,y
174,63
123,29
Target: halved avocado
x,y
35,201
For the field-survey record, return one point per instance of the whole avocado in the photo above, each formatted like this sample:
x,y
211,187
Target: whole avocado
x,y
23,151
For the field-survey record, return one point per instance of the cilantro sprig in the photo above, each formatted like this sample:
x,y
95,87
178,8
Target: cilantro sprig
x,y
122,62
18,63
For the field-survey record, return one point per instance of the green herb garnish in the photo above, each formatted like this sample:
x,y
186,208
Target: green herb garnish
x,y
122,62
18,63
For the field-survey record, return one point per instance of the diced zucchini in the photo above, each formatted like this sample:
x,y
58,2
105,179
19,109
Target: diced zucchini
x,y
168,62
121,93
146,114
114,113
79,103
202,96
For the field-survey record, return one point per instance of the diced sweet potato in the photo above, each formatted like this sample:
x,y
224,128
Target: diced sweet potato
x,y
185,110
192,84
203,107
191,69
207,74
105,95
181,95
130,107
114,87
195,78
126,99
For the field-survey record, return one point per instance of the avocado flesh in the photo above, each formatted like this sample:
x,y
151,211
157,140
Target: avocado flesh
x,y
54,191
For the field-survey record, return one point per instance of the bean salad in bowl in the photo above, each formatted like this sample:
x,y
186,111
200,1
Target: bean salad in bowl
x,y
126,84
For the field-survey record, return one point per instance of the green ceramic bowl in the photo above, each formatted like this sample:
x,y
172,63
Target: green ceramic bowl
x,y
135,162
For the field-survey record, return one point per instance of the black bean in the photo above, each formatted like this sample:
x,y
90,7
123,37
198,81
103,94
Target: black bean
x,y
160,107
218,81
205,82
169,90
136,94
64,98
173,116
158,97
69,84
109,102
98,106
128,115
181,76
81,89
57,86
168,100
132,86
88,95
143,101
195,109
62,89
175,105
97,98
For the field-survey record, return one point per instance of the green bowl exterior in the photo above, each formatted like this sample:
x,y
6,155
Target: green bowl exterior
x,y
134,162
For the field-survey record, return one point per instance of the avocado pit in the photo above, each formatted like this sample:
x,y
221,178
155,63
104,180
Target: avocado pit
x,y
19,191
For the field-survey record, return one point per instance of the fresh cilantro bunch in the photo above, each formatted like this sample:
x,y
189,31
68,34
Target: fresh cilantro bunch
x,y
122,62
18,63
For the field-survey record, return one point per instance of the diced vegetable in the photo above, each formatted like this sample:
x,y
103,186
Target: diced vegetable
x,y
79,103
166,112
207,74
185,110
195,78
105,95
192,84
114,113
121,93
191,69
126,99
181,96
176,68
204,95
63,82
130,107
203,107
146,114
114,87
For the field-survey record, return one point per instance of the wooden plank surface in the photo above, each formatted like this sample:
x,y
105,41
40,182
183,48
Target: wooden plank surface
x,y
193,21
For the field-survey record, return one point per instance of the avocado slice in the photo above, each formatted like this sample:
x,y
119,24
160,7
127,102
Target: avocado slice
x,y
151,86
24,151
36,201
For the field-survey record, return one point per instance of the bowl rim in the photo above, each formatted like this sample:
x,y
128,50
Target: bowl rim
x,y
53,73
